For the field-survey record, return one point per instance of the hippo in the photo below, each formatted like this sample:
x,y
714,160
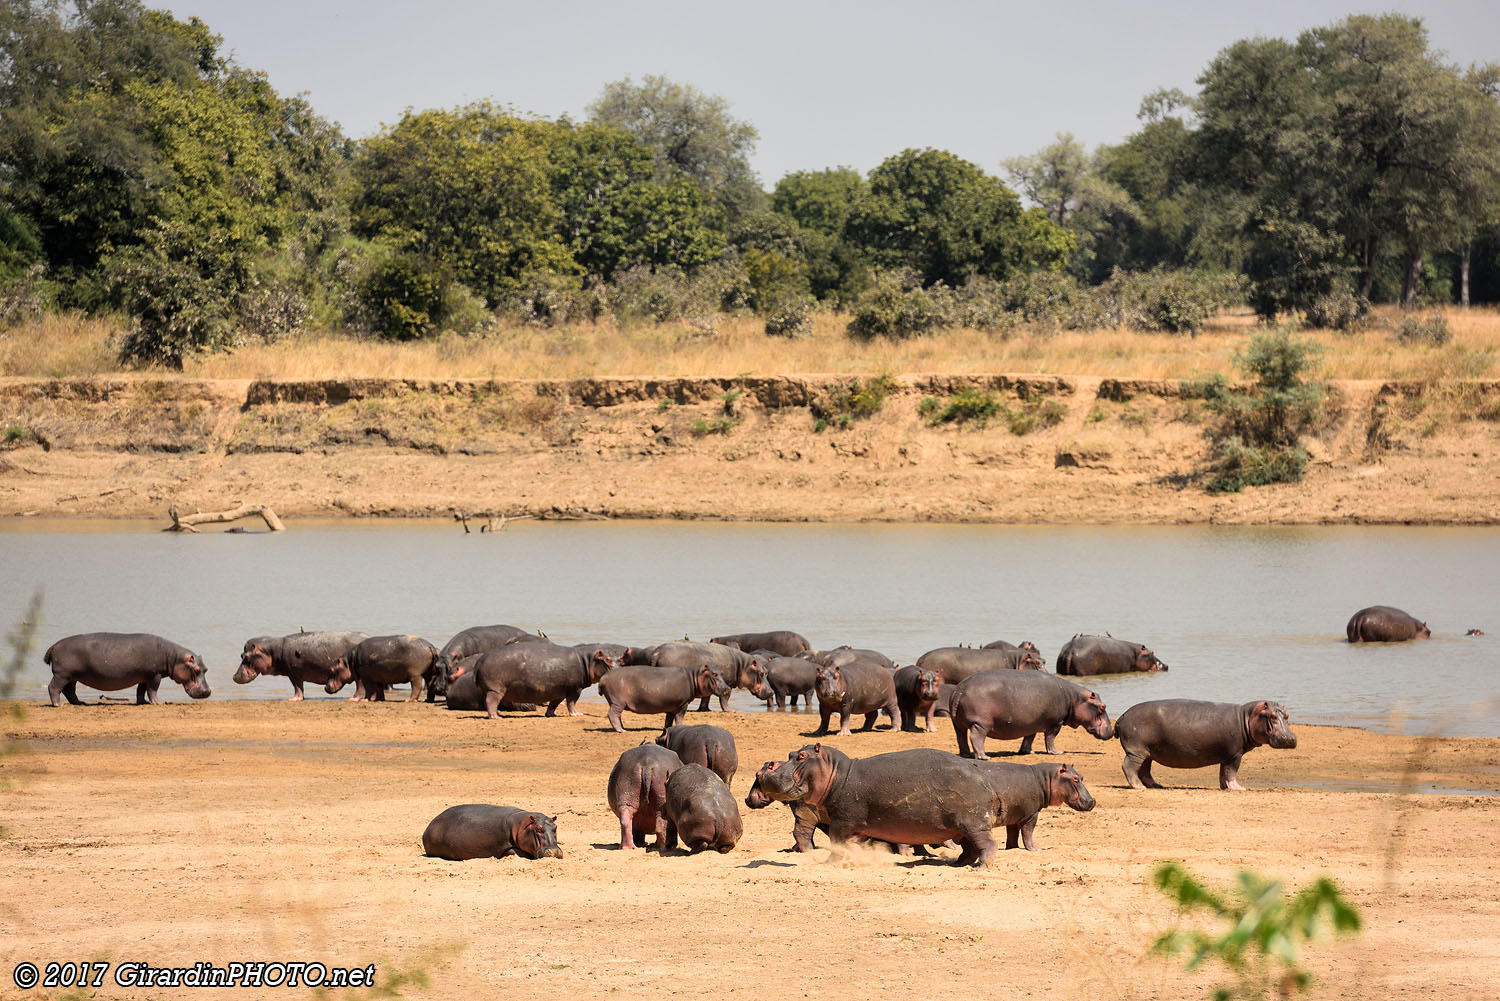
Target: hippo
x,y
917,691
617,652
644,689
805,819
839,656
1025,790
300,657
480,830
916,797
709,746
483,639
386,660
1084,655
539,671
1003,645
785,678
465,693
1009,704
731,662
1185,733
1384,624
112,661
856,687
701,811
955,663
782,642
638,792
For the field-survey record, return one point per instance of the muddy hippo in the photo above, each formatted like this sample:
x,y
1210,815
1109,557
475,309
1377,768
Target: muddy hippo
x,y
955,663
782,642
806,820
638,792
1384,624
856,687
1010,704
538,671
785,678
479,830
300,657
701,811
709,746
731,662
917,692
483,639
669,690
1185,733
840,656
1026,790
379,661
1083,656
112,661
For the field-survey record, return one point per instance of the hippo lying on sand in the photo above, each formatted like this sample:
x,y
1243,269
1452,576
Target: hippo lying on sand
x,y
479,830
1184,733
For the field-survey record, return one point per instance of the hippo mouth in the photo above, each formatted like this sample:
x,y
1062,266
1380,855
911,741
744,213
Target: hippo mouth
x,y
1083,804
1283,741
553,852
200,691
757,800
245,675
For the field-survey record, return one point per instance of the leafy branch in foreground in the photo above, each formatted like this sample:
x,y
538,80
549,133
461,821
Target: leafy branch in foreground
x,y
21,641
1263,925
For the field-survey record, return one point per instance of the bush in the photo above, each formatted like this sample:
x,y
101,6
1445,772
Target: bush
x,y
1242,465
668,293
1045,298
791,318
26,297
176,311
1340,308
1431,330
978,406
1177,301
272,307
1035,415
402,296
552,300
841,406
896,306
1260,431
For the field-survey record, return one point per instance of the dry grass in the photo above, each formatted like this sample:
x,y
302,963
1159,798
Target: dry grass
x,y
71,346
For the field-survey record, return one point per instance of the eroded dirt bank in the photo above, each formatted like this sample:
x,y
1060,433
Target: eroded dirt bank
x,y
1061,449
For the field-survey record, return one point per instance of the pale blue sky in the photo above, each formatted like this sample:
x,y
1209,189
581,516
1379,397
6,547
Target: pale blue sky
x,y
826,83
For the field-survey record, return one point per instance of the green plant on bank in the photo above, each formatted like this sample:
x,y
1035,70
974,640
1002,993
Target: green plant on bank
x,y
722,425
841,406
980,406
1262,943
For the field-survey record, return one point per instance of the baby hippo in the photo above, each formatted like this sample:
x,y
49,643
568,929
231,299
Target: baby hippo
x,y
1026,790
701,811
1183,733
637,793
479,830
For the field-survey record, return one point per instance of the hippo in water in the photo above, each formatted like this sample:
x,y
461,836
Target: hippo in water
x,y
1083,656
669,690
856,687
1384,624
709,746
479,830
1010,704
112,661
701,811
1026,790
1185,733
637,792
785,679
839,656
538,671
782,642
387,660
955,663
300,657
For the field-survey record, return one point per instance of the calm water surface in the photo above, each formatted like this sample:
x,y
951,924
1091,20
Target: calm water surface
x,y
1238,613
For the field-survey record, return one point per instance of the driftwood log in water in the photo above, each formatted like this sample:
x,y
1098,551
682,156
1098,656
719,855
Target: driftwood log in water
x,y
188,522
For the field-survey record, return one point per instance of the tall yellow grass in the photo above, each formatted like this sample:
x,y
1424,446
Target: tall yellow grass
x,y
71,346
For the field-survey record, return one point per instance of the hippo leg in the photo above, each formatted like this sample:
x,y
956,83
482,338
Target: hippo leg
x,y
627,828
552,707
931,727
57,687
614,718
1137,768
703,704
804,827
1027,826
661,831
572,704
978,847
492,703
1050,737
359,692
1026,743
1228,775
145,692
1012,836
724,703
976,737
870,719
416,690
671,838
297,694
844,730
893,712
827,712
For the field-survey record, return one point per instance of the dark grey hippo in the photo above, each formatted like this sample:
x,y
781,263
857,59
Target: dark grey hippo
x,y
1083,656
709,746
1384,624
785,679
805,819
701,811
1023,645
1026,790
638,793
839,656
483,639
112,661
731,662
782,642
465,693
917,797
479,830
374,663
300,657
1010,704
917,692
955,663
856,687
617,652
538,671
670,690
1185,733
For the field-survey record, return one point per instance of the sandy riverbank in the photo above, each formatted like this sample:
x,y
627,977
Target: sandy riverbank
x,y
239,830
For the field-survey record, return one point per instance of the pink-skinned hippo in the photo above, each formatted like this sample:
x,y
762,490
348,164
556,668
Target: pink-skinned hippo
x,y
955,663
379,661
732,663
709,746
480,830
483,639
856,687
1026,790
782,642
638,793
648,689
1010,704
783,678
1384,624
538,671
701,811
112,661
917,691
300,657
1084,656
1186,733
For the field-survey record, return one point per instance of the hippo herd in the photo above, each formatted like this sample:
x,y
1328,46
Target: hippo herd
x,y
677,787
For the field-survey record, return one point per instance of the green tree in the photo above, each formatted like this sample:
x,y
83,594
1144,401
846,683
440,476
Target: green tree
x,y
821,203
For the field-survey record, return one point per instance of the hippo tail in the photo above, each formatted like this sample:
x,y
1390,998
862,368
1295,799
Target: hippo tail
x,y
47,657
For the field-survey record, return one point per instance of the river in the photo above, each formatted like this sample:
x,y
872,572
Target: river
x,y
1238,613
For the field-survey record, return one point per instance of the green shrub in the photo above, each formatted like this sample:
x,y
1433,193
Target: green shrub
x,y
667,293
1431,330
722,425
1340,308
1242,466
976,406
552,300
791,317
27,296
1259,432
176,311
403,296
1177,301
841,406
1035,415
895,306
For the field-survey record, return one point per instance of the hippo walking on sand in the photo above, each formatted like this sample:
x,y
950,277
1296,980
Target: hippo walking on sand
x,y
785,679
1185,733
1010,704
480,830
112,661
638,793
1026,790
669,690
732,663
856,687
701,811
917,691
387,660
709,746
1083,656
537,671
1384,624
300,657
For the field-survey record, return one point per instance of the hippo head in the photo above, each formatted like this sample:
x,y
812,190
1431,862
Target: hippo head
x,y
1065,786
537,836
830,684
711,682
339,675
1029,660
721,641
1028,645
1267,724
462,666
929,685
192,674
1423,633
436,675
254,661
757,798
601,663
1088,712
754,677
813,769
1145,660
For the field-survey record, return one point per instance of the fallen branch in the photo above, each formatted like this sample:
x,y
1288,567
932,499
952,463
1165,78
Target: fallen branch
x,y
187,522
492,522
